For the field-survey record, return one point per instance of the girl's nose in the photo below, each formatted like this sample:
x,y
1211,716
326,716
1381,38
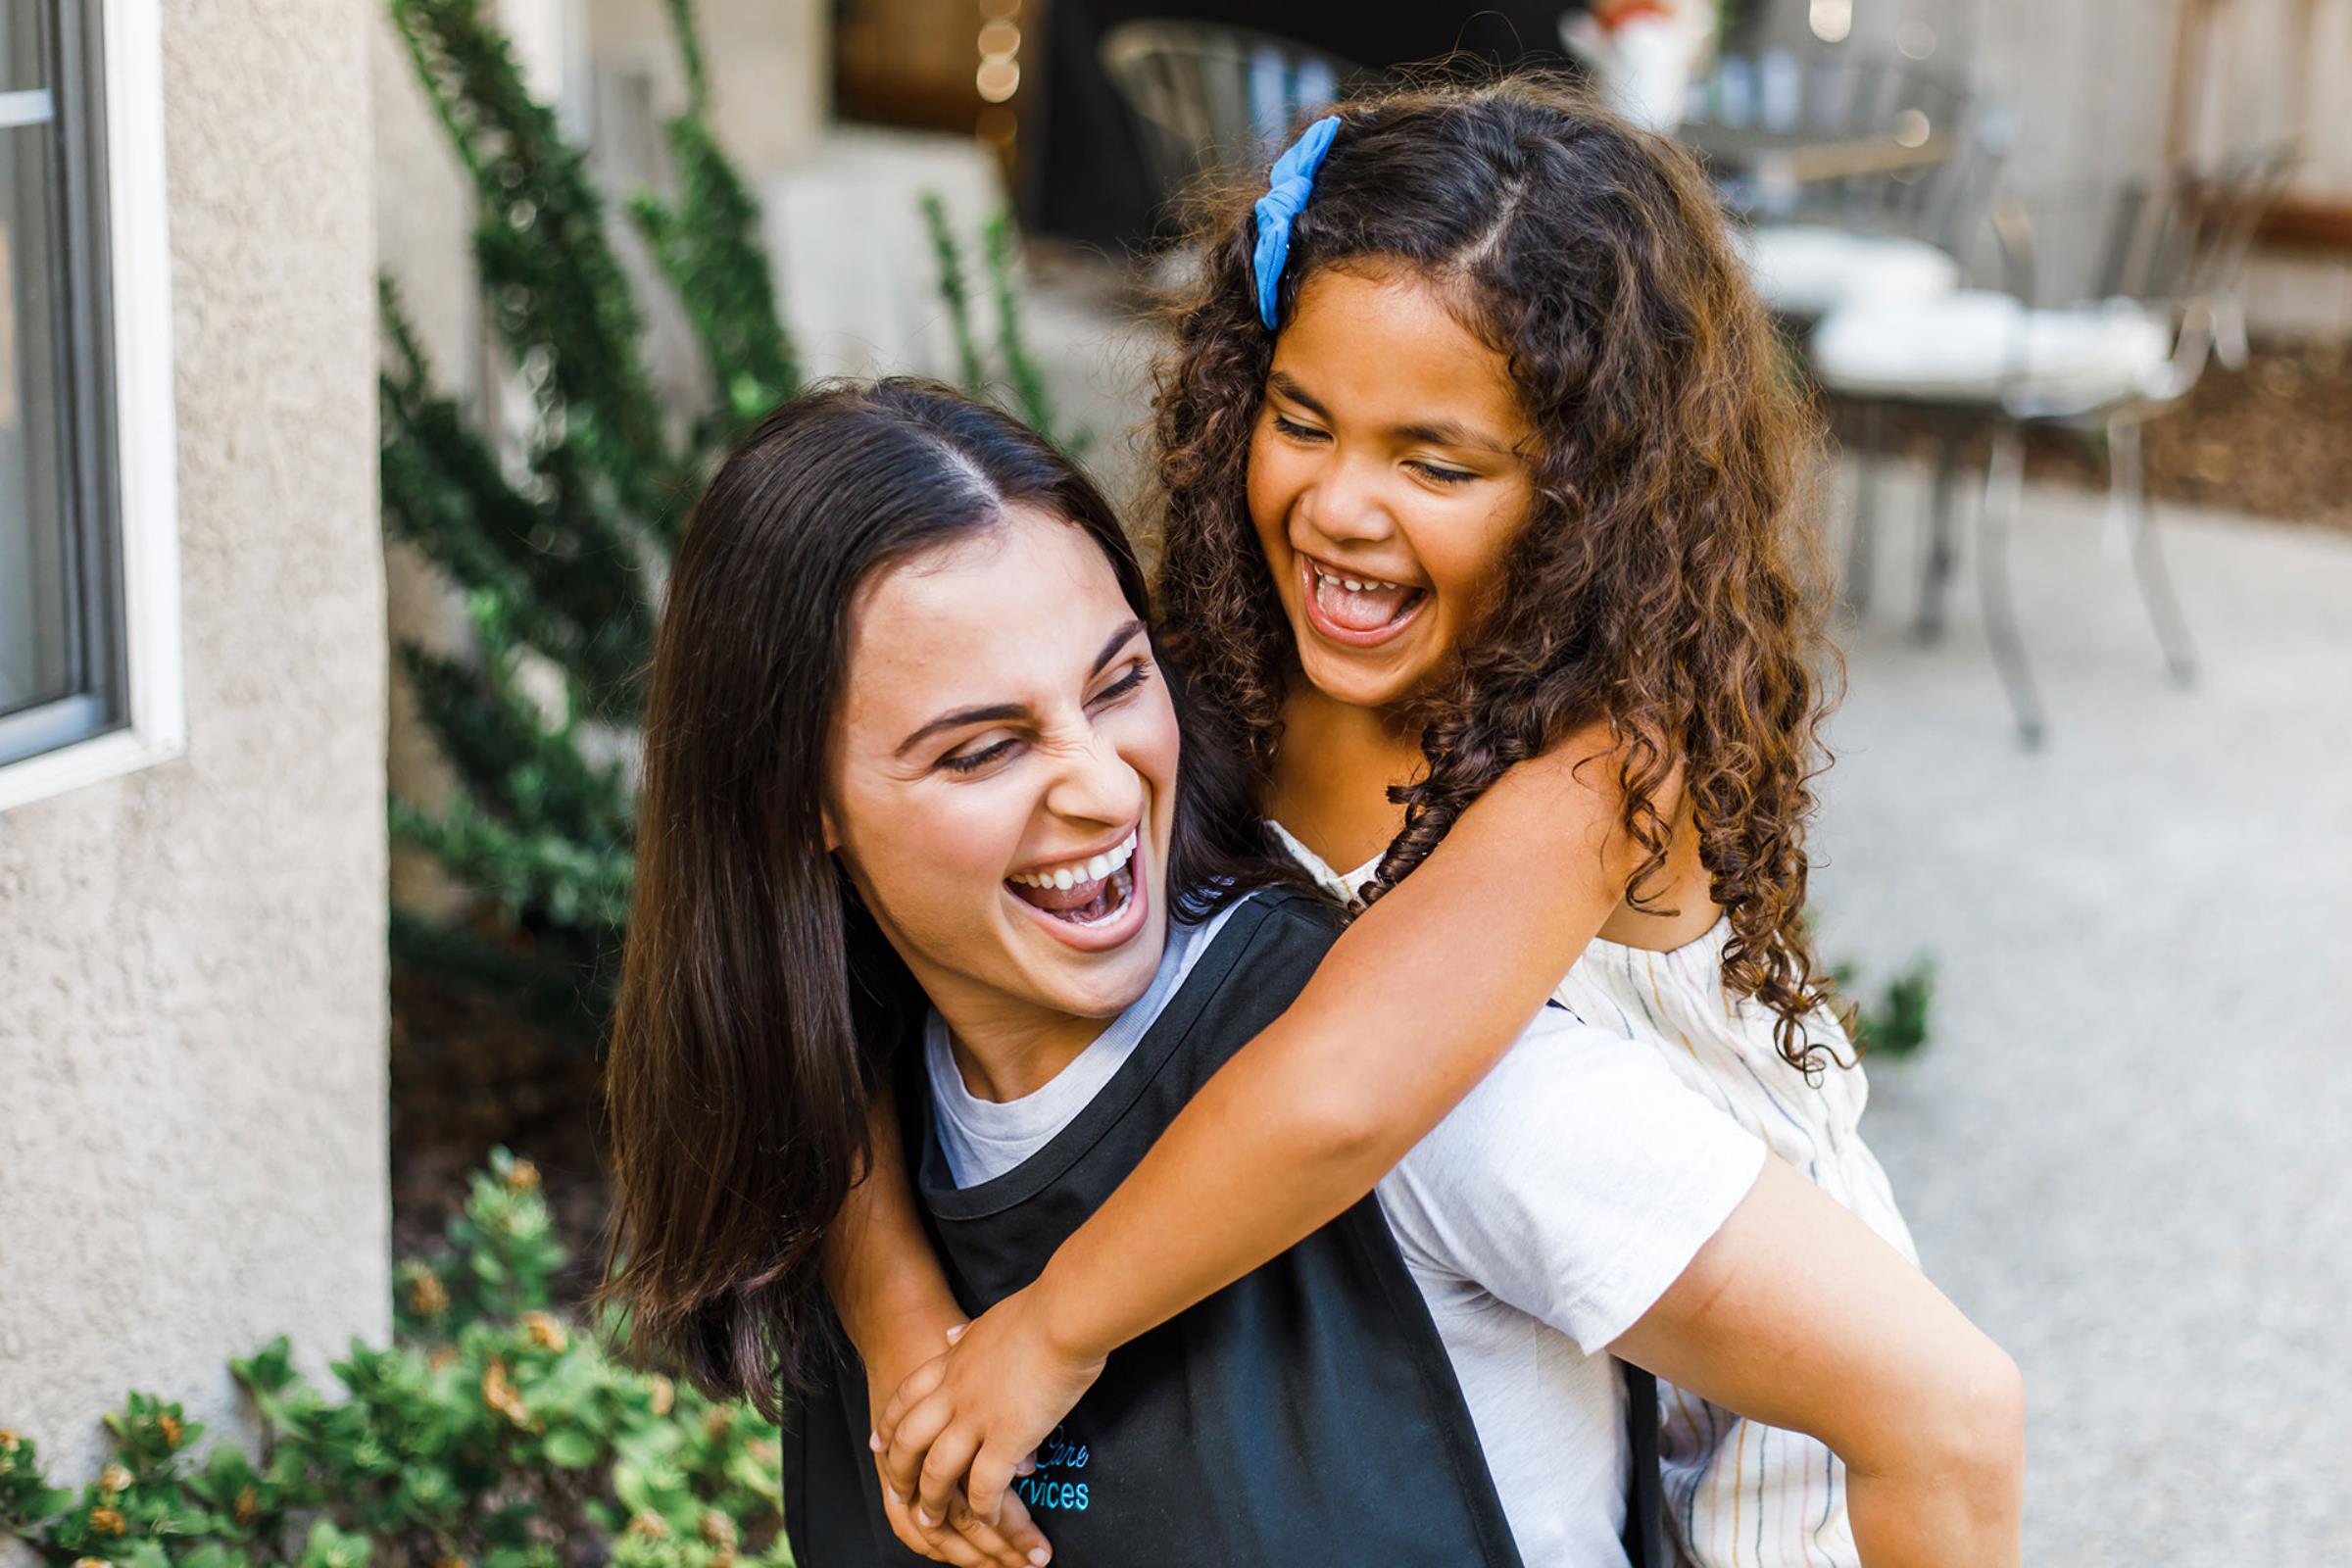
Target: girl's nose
x,y
1345,505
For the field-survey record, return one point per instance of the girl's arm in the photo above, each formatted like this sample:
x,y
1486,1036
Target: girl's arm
x,y
893,1299
1419,998
1797,1315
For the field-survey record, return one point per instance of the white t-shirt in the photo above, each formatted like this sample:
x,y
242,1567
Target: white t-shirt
x,y
1539,1219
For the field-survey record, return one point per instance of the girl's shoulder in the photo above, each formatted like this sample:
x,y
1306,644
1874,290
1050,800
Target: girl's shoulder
x,y
1341,887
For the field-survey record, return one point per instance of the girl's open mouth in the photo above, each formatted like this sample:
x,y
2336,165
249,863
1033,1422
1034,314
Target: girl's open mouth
x,y
1094,904
1355,611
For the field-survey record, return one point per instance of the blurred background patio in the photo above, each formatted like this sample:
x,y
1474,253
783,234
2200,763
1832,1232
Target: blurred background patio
x,y
2072,283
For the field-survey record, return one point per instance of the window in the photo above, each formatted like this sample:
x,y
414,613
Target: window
x,y
89,680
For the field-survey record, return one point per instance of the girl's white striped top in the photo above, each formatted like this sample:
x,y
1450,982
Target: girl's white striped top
x,y
1740,1493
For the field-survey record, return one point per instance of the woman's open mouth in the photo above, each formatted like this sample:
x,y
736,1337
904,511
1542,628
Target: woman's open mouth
x,y
1355,611
1092,903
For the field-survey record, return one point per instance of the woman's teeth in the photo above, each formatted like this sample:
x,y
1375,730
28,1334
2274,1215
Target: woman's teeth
x,y
1108,903
1090,892
1080,872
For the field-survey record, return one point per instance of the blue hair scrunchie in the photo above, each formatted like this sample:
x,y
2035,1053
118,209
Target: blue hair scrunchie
x,y
1291,183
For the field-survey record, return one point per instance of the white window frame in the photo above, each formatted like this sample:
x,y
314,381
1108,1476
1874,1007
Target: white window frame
x,y
138,268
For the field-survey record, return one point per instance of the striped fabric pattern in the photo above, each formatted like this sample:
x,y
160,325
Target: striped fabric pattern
x,y
1738,1493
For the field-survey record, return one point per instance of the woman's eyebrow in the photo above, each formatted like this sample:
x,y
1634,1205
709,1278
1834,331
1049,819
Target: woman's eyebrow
x,y
1110,650
999,713
995,714
1286,385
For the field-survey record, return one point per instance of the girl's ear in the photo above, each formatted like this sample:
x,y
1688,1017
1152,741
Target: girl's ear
x,y
824,819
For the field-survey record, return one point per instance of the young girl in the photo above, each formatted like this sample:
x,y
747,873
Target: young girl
x,y
1521,468
1478,473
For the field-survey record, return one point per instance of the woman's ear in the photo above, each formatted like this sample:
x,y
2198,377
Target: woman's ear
x,y
824,819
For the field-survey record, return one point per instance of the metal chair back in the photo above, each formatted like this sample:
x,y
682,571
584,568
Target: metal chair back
x,y
1216,100
2177,247
1841,96
2188,237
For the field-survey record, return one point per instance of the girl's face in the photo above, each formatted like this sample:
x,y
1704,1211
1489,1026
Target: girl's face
x,y
1388,469
1003,777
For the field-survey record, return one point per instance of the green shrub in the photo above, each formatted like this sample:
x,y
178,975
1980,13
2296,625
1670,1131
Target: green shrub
x,y
492,1432
1897,1022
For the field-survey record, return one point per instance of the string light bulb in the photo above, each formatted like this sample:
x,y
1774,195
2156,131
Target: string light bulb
x,y
999,43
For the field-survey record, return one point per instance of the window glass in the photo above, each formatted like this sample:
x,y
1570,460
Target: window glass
x,y
40,583
24,45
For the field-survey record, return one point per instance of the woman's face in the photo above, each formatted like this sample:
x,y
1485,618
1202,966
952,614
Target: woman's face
x,y
1388,470
1003,776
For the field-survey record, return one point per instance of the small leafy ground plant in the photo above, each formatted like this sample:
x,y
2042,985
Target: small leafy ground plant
x,y
491,1434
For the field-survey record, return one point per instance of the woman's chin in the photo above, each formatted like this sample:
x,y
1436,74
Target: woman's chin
x,y
1095,970
1113,987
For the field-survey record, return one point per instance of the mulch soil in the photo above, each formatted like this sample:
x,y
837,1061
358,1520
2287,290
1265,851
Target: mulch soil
x,y
466,1077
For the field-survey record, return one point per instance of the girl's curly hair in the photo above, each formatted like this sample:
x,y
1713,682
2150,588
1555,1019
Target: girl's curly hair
x,y
1665,582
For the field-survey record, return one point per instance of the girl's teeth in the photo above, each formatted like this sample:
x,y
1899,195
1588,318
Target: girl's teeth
x,y
1064,880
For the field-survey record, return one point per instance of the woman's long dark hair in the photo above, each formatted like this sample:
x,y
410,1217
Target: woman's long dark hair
x,y
1665,583
760,1006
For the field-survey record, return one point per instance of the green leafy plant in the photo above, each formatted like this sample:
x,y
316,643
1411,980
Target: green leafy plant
x,y
559,542
1016,381
492,1432
1895,1022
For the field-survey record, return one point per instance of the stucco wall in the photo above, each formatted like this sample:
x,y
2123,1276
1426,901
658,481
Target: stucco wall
x,y
424,226
192,1012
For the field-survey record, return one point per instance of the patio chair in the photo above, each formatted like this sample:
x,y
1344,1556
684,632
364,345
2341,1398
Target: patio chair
x,y
1211,99
1818,238
2174,252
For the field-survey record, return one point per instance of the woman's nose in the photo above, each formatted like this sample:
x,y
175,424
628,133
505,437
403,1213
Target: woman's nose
x,y
1097,784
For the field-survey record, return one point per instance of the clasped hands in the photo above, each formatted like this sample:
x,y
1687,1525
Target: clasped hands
x,y
959,1428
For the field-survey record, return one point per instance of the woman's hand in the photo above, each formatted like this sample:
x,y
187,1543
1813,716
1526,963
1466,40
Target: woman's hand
x,y
963,1537
976,1414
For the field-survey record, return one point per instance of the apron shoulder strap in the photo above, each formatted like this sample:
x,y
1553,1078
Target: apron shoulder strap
x,y
1645,1492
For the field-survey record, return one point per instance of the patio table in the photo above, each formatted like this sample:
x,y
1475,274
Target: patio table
x,y
1782,160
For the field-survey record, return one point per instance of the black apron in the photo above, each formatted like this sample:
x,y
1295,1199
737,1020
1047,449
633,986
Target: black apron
x,y
1304,1414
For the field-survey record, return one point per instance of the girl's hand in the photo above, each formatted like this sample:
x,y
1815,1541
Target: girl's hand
x,y
964,1538
977,1414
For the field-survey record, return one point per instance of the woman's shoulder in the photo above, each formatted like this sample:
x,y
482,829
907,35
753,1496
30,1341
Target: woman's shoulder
x,y
1284,915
